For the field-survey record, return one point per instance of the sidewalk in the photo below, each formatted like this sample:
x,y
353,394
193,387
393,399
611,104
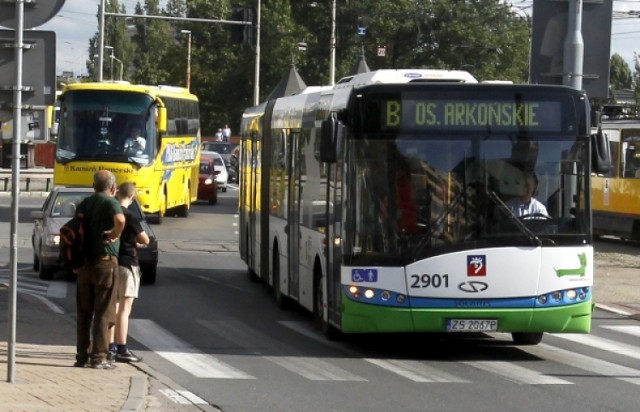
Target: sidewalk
x,y
45,379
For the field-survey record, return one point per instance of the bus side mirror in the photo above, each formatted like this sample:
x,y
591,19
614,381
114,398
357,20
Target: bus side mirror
x,y
600,152
162,119
329,138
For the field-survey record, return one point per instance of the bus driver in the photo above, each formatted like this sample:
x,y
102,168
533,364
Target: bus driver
x,y
525,204
136,142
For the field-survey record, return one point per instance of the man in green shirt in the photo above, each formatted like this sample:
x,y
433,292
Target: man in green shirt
x,y
96,286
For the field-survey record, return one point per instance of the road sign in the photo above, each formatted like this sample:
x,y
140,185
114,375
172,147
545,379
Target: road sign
x,y
36,13
38,67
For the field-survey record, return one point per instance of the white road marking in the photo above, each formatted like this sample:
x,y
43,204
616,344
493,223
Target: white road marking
x,y
417,371
602,343
175,396
196,400
588,363
628,329
179,352
516,373
313,369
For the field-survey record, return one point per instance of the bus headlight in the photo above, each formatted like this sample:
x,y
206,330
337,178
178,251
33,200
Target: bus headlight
x,y
385,295
369,294
556,296
354,291
571,294
542,299
401,298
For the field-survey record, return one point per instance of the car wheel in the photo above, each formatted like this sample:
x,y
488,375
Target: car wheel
x,y
214,198
44,272
224,189
521,338
36,262
149,274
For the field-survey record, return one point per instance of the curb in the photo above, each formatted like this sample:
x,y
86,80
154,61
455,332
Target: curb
x,y
137,394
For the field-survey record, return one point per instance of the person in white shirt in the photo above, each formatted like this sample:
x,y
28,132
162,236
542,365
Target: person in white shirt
x,y
136,142
226,133
526,204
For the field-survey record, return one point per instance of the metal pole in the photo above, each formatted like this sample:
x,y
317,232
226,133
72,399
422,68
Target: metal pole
x,y
332,64
256,79
101,41
573,47
15,193
111,68
188,33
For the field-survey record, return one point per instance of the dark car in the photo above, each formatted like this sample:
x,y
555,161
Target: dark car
x,y
207,185
58,208
226,150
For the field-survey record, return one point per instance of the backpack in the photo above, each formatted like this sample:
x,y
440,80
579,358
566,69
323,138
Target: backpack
x,y
72,243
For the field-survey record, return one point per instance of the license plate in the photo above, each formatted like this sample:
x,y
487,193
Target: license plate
x,y
472,325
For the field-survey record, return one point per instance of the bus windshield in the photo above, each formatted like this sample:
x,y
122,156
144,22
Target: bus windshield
x,y
421,196
106,126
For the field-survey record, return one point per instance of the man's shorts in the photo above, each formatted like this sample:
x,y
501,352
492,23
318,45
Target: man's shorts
x,y
128,282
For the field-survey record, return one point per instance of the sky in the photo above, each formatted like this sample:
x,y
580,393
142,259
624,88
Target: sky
x,y
77,22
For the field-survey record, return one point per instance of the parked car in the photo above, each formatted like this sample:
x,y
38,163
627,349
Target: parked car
x,y
58,208
225,150
222,178
207,186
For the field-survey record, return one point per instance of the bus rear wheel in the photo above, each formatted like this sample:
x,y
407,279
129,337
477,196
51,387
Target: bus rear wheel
x,y
522,338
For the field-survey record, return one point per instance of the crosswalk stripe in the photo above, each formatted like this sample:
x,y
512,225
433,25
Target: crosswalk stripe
x,y
179,352
516,373
313,369
588,363
416,371
602,343
628,329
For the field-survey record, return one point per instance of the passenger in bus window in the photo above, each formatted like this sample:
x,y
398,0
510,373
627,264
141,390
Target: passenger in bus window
x,y
525,204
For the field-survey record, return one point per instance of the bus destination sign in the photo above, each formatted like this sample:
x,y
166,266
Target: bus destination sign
x,y
540,116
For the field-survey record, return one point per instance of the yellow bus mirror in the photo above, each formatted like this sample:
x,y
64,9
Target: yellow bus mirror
x,y
162,119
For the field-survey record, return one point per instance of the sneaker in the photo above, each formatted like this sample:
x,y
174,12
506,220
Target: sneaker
x,y
111,356
103,365
127,357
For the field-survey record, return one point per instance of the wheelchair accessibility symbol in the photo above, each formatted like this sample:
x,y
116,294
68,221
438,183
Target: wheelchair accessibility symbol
x,y
364,275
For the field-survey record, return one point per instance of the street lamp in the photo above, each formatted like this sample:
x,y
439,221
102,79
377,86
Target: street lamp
x,y
121,65
111,70
188,33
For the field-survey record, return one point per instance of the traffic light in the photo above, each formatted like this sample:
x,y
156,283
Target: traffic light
x,y
241,33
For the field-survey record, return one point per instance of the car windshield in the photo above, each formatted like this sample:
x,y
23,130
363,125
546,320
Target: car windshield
x,y
205,169
218,162
66,202
222,148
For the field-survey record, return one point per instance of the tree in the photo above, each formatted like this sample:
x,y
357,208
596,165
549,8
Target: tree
x,y
619,74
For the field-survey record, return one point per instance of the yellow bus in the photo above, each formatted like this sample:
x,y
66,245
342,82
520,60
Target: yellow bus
x,y
96,131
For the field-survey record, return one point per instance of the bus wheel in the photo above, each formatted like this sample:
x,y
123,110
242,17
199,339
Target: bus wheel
x,y
521,338
281,300
183,211
328,330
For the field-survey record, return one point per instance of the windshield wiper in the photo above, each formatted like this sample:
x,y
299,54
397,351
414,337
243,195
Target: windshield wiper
x,y
521,226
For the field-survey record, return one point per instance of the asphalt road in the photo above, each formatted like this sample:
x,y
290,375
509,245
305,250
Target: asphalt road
x,y
210,330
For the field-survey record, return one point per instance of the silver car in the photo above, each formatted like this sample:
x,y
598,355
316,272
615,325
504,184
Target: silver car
x,y
58,208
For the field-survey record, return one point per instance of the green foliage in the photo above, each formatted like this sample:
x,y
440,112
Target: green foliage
x,y
619,73
481,36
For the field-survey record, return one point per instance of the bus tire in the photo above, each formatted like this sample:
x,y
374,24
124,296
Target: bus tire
x,y
253,276
329,331
281,300
526,338
183,210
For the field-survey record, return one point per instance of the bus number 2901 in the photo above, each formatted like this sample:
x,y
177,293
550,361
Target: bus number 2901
x,y
429,281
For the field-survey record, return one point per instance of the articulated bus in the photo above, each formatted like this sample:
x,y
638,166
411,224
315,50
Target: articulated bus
x,y
96,121
616,194
381,205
